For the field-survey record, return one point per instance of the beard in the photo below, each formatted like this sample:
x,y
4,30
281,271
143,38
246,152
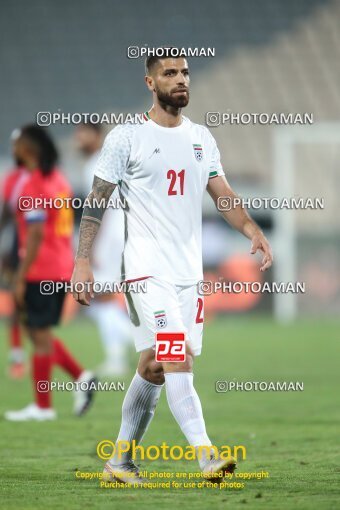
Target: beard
x,y
168,99
19,161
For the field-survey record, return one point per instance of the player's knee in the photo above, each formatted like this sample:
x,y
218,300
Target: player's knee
x,y
152,372
183,366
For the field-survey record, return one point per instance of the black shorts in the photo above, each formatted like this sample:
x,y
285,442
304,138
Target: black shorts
x,y
42,310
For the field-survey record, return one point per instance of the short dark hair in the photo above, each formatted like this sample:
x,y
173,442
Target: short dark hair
x,y
151,60
46,150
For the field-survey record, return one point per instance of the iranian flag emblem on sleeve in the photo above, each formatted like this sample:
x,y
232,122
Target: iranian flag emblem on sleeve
x,y
160,319
198,151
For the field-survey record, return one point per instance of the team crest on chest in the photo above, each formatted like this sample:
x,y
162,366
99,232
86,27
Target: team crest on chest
x,y
160,319
198,151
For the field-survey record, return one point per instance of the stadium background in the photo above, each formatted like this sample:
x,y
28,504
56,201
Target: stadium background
x,y
271,56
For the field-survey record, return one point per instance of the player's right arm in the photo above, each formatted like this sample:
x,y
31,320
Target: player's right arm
x,y
93,213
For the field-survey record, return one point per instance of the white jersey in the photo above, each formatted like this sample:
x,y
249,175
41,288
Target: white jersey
x,y
162,174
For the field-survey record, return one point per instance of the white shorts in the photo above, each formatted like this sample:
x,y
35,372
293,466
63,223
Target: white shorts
x,y
166,307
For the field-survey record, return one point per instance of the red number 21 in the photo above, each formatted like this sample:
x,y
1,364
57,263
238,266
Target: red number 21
x,y
172,176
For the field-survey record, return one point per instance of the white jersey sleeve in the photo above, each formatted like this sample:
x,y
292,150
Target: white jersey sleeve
x,y
215,166
114,156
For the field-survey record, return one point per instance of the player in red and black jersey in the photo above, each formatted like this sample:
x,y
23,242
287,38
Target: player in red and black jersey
x,y
45,252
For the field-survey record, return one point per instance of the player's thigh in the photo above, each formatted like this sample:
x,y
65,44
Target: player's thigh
x,y
158,309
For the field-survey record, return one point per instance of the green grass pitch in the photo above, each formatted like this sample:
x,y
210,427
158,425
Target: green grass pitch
x,y
292,435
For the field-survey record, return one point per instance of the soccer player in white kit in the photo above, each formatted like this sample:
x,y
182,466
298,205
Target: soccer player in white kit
x,y
162,168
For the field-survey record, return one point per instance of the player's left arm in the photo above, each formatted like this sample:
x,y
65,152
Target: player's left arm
x,y
239,219
35,232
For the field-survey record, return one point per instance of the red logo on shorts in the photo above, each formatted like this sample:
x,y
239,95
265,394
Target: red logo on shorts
x,y
170,346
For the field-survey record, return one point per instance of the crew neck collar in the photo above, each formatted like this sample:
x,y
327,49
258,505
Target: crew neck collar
x,y
158,126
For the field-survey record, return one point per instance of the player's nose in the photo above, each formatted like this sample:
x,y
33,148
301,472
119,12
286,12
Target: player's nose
x,y
181,79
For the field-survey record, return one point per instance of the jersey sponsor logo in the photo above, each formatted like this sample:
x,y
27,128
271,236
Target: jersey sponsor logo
x,y
170,347
198,151
160,319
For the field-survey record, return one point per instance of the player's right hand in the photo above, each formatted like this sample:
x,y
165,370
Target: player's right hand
x,y
83,276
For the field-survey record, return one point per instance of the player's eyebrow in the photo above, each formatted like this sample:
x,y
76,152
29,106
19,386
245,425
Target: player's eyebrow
x,y
175,69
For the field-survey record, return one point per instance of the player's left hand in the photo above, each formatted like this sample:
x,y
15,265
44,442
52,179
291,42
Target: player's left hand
x,y
19,291
260,243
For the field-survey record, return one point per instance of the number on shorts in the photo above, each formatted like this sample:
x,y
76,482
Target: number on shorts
x,y
199,315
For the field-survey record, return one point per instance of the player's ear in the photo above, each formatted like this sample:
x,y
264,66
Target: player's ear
x,y
150,83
